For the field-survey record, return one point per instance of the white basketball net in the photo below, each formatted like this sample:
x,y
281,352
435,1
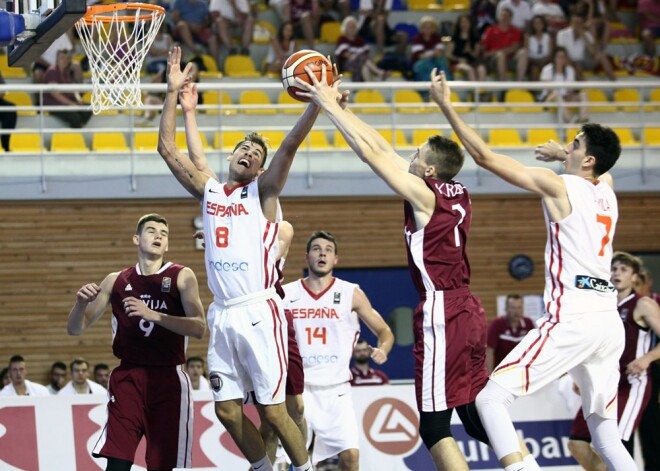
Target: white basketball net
x,y
116,49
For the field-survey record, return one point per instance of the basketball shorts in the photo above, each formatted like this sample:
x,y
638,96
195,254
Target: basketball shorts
x,y
588,348
154,402
248,348
450,349
331,419
295,379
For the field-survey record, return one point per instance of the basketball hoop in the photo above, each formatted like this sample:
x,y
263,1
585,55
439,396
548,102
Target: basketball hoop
x,y
116,38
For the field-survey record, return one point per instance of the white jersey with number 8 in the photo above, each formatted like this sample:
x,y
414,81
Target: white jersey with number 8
x,y
241,244
579,251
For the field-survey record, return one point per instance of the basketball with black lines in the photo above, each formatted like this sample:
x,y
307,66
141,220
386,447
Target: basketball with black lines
x,y
295,67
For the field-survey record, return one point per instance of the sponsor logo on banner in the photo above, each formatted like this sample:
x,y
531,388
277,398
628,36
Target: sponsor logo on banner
x,y
391,426
18,437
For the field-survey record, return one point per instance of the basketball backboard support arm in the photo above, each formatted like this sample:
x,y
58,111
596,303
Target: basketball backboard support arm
x,y
58,22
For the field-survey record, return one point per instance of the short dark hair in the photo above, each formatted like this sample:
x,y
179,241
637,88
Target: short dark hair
x,y
16,359
78,361
322,235
630,260
603,143
194,358
446,156
148,218
257,139
514,296
59,365
361,340
100,366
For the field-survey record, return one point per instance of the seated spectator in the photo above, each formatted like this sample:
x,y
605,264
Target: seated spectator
x,y
64,73
4,378
428,51
648,13
462,52
362,373
505,332
305,16
353,54
539,44
19,385
156,59
102,374
581,48
560,70
8,117
282,45
49,57
333,10
521,11
80,382
232,18
195,369
502,47
155,98
398,57
596,22
373,25
552,12
484,14
57,377
192,22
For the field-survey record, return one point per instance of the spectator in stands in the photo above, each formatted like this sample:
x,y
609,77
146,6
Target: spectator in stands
x,y
305,16
232,18
521,11
8,117
4,378
596,22
102,374
195,369
64,73
505,332
539,44
354,55
80,382
156,60
484,14
648,13
192,22
581,48
282,45
57,377
502,46
49,57
463,50
552,13
397,58
560,70
373,25
428,51
363,374
19,384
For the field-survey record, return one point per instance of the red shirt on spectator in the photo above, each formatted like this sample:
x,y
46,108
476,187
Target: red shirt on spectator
x,y
369,378
503,337
495,38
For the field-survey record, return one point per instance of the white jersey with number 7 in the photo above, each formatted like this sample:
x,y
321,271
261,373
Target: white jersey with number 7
x,y
578,252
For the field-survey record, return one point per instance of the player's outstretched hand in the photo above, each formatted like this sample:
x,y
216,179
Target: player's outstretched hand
x,y
551,151
88,293
319,91
377,355
440,92
637,366
188,96
137,308
175,76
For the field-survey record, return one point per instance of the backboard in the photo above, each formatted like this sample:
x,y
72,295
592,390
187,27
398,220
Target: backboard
x,y
55,17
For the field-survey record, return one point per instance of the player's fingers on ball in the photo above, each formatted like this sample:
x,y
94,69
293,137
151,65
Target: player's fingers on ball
x,y
300,83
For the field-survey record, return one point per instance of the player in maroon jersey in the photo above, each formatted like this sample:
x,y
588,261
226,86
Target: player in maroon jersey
x,y
449,322
641,318
155,306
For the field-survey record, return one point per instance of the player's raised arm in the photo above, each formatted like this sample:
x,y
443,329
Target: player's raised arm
x,y
538,180
91,302
369,145
180,165
376,324
188,97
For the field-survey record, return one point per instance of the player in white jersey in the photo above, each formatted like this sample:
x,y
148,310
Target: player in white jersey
x,y
326,313
248,344
581,332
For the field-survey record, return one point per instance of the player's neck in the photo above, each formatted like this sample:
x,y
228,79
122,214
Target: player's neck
x,y
363,367
150,266
81,388
623,294
20,388
318,284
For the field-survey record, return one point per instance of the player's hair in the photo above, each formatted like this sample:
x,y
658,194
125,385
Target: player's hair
x,y
361,340
515,296
59,365
630,260
78,361
100,366
257,139
194,358
603,144
16,359
3,374
148,218
322,235
446,156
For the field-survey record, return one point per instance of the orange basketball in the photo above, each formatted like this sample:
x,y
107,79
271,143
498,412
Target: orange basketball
x,y
295,67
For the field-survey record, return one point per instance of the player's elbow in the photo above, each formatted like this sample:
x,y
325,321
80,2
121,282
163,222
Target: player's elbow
x,y
200,330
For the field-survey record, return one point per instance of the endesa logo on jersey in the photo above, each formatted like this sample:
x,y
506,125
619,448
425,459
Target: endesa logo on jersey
x,y
220,210
314,313
313,360
219,265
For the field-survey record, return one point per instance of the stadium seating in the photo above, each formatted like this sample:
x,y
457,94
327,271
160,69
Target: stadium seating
x,y
626,137
227,140
109,142
145,141
68,142
396,137
240,67
21,99
330,32
596,95
373,97
182,143
540,136
25,142
651,136
521,96
504,138
256,97
403,98
221,100
317,140
630,95
285,99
